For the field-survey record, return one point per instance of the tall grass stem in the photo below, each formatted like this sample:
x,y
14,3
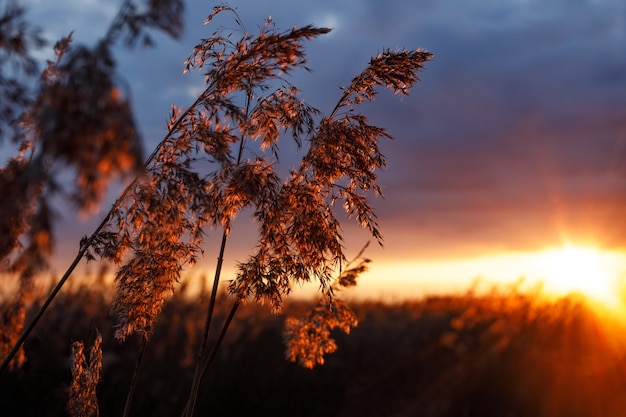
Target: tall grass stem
x,y
133,382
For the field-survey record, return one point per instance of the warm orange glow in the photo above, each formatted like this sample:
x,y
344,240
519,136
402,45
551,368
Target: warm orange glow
x,y
595,273
579,269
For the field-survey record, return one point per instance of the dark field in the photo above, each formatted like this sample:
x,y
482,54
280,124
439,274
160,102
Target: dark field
x,y
502,354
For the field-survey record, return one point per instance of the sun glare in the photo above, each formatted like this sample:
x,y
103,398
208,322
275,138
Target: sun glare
x,y
577,269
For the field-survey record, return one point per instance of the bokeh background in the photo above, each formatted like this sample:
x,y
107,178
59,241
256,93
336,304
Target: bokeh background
x,y
513,144
514,141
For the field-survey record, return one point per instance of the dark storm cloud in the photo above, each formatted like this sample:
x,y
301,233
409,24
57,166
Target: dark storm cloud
x,y
515,137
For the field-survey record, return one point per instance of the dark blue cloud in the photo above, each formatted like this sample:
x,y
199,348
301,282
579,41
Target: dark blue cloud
x,y
514,137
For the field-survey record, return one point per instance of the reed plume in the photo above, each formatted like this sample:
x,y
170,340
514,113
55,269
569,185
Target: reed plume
x,y
218,160
86,370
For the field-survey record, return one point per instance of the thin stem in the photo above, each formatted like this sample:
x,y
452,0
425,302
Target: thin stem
x,y
341,102
199,375
209,360
16,347
190,406
133,382
216,280
195,385
88,242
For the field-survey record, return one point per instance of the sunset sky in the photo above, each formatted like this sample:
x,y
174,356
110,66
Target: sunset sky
x,y
514,141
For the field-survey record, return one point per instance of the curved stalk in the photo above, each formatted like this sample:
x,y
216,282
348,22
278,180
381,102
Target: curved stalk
x,y
16,347
87,243
133,382
203,367
196,382
219,340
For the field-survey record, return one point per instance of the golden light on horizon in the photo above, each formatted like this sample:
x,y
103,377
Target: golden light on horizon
x,y
596,273
589,271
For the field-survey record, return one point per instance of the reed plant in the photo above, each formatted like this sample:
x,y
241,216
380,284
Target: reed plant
x,y
218,159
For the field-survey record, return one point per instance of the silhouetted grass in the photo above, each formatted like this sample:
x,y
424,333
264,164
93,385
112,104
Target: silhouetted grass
x,y
497,354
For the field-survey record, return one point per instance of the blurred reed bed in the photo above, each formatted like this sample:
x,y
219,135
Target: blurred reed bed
x,y
497,353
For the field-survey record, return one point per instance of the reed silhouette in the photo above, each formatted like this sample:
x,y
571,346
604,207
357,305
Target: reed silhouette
x,y
218,159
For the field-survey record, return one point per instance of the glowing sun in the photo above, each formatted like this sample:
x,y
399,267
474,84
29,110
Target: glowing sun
x,y
584,270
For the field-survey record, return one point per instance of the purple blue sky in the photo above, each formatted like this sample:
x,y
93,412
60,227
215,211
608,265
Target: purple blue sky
x,y
514,141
